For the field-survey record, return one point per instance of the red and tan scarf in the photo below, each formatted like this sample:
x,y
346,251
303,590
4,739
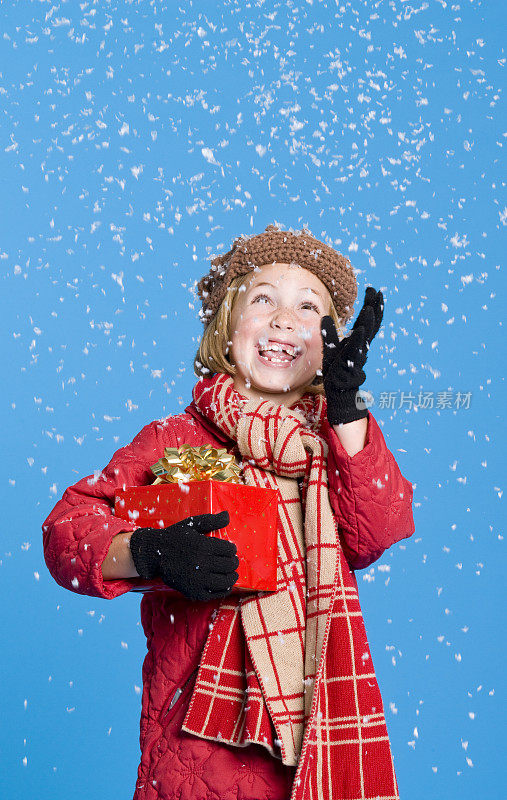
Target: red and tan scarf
x,y
291,670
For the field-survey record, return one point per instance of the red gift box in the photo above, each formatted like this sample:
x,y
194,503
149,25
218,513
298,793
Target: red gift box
x,y
253,513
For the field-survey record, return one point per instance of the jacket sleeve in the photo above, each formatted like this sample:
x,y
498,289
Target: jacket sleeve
x,y
370,498
78,532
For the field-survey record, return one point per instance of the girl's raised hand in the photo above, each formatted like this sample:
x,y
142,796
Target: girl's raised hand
x,y
343,361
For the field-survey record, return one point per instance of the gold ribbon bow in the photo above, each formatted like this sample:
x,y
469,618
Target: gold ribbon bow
x,y
188,463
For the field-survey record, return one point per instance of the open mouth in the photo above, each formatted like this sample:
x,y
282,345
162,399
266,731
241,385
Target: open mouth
x,y
278,355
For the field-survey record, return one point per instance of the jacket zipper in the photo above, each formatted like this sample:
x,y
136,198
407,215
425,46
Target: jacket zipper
x,y
179,691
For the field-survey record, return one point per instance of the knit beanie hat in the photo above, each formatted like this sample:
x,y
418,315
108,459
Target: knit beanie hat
x,y
299,247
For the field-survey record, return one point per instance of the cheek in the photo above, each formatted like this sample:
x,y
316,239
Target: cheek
x,y
253,315
312,334
243,329
249,325
315,348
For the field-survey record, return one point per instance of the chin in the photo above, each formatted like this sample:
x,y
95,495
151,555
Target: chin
x,y
280,385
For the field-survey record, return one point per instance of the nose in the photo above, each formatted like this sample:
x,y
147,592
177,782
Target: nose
x,y
282,318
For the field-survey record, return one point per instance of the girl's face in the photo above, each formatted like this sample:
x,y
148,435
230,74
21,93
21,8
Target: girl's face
x,y
278,306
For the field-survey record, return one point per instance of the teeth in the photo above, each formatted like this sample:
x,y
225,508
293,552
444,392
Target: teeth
x,y
278,348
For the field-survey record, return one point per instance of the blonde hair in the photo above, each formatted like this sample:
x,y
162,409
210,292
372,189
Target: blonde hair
x,y
211,356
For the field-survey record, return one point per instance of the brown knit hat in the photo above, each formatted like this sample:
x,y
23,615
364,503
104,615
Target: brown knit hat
x,y
300,247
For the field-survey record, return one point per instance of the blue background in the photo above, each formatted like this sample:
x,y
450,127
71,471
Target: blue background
x,y
138,139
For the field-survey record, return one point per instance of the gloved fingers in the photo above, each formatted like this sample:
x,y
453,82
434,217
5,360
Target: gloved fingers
x,y
216,547
378,308
370,296
368,299
366,320
224,564
329,334
202,595
215,595
375,301
205,523
221,583
354,349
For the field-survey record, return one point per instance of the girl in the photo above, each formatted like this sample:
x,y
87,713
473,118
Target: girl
x,y
272,695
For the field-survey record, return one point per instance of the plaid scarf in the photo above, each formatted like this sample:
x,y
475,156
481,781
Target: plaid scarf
x,y
291,670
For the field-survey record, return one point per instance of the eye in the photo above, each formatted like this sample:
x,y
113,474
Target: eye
x,y
306,302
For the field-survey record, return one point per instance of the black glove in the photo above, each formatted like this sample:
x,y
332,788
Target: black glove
x,y
200,567
343,361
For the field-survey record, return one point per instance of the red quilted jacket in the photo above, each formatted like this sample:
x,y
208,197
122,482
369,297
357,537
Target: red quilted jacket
x,y
372,502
